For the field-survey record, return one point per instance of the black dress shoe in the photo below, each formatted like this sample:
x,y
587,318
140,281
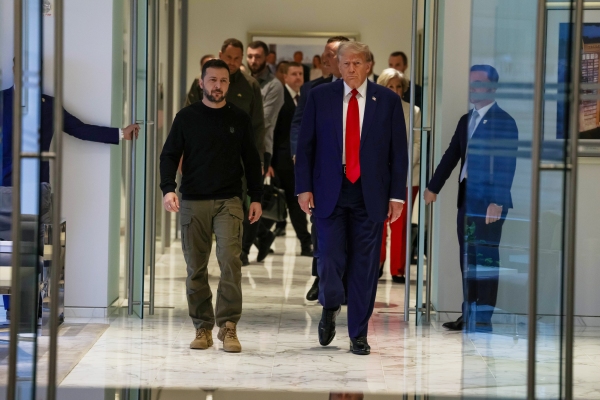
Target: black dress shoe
x,y
265,246
279,232
244,258
360,346
327,326
454,325
381,271
313,292
398,279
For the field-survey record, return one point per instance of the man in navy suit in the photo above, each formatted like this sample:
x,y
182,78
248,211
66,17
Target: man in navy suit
x,y
484,197
71,125
330,65
351,169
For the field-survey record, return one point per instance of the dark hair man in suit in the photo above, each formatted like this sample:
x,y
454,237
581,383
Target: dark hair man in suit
x,y
72,126
298,57
351,170
282,159
330,63
280,71
399,61
272,60
484,196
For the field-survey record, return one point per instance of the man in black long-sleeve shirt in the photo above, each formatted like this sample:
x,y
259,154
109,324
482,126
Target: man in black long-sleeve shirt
x,y
214,135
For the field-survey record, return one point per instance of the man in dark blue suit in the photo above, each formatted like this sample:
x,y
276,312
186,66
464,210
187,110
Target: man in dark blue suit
x,y
351,169
490,135
72,126
330,64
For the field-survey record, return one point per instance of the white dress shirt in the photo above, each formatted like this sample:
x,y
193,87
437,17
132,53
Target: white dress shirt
x,y
361,98
292,93
481,113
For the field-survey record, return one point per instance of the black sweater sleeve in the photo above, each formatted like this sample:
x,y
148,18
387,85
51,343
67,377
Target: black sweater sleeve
x,y
252,165
170,156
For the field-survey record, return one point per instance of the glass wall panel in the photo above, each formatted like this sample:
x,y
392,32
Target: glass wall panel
x,y
496,183
21,282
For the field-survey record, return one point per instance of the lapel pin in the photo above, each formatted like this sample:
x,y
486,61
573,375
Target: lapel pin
x,y
239,95
374,99
231,129
485,121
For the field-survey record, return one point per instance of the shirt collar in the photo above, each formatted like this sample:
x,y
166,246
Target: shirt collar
x,y
264,75
293,93
362,89
483,110
334,78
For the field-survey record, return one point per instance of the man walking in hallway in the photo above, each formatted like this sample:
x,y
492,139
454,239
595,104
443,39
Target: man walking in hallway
x,y
214,135
331,73
484,193
283,165
272,100
351,170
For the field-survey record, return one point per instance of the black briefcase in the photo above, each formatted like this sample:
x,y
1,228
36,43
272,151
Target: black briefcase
x,y
273,203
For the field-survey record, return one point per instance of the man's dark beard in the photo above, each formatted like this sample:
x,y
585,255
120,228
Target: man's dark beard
x,y
260,68
211,98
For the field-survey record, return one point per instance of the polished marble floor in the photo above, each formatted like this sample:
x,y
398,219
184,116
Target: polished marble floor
x,y
278,332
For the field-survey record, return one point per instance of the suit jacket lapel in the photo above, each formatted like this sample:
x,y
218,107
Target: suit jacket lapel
x,y
337,109
370,108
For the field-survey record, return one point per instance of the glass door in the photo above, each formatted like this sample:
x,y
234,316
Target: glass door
x,y
134,24
20,216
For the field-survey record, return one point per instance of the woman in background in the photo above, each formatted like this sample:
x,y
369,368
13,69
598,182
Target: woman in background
x,y
315,71
395,81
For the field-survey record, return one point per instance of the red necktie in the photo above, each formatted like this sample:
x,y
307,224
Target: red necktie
x,y
353,139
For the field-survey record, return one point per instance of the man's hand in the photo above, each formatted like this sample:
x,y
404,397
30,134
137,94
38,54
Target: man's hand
x,y
128,132
254,212
494,212
306,201
429,197
270,172
395,211
171,202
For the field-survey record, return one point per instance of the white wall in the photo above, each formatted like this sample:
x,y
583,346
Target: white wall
x,y
385,25
86,166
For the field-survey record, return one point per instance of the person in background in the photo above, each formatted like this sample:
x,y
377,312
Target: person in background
x,y
486,176
216,137
284,165
272,61
299,57
373,77
316,71
71,125
195,93
394,80
280,72
272,100
331,73
399,62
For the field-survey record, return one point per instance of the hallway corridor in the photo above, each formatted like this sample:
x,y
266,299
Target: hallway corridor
x,y
278,332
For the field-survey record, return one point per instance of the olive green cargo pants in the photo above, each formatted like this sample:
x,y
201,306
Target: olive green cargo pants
x,y
199,219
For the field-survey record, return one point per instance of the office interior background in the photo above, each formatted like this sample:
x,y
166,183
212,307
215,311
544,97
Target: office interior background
x,y
122,292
